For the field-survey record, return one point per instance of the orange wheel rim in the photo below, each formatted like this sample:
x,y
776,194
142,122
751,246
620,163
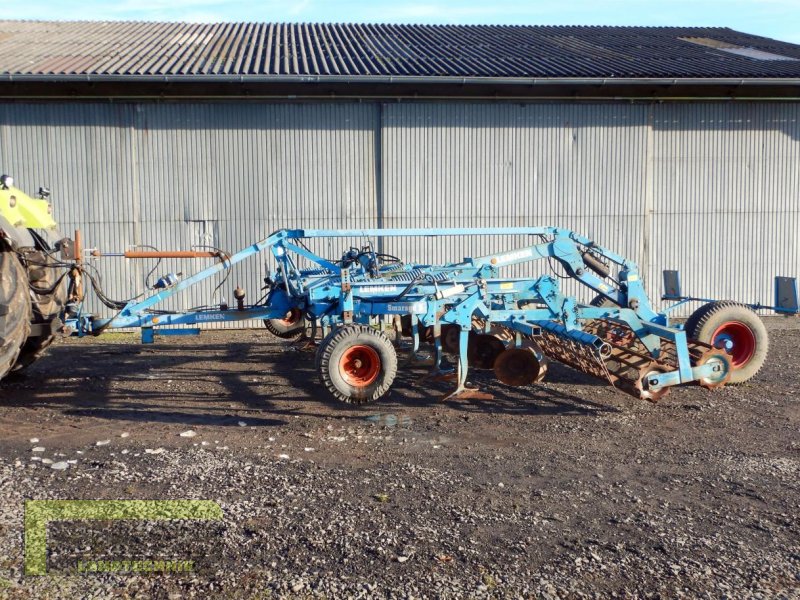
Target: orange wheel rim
x,y
292,317
360,366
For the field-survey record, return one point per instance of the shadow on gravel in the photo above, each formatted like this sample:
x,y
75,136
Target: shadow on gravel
x,y
157,416
201,384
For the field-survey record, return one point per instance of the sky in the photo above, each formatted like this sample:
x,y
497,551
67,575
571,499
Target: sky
x,y
778,19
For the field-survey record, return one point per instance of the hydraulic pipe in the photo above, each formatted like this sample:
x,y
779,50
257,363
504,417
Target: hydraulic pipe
x,y
171,254
159,254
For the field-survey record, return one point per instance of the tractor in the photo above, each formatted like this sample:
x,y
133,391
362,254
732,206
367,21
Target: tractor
x,y
33,287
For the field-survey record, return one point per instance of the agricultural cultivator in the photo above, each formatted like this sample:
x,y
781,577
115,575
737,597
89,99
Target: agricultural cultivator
x,y
467,310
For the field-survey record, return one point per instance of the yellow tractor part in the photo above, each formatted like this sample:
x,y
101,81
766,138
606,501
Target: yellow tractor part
x,y
21,210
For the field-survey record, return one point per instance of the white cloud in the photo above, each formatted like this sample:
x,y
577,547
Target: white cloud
x,y
299,8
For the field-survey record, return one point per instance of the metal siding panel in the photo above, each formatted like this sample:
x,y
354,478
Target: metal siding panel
x,y
726,189
157,174
723,179
473,165
82,153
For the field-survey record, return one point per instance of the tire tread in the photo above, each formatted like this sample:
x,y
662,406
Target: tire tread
x,y
364,334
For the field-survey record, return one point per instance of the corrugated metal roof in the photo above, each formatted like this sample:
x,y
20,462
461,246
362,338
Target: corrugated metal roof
x,y
59,48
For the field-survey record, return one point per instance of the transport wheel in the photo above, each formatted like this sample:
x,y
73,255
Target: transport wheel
x,y
15,310
733,327
321,348
46,308
691,323
357,364
289,327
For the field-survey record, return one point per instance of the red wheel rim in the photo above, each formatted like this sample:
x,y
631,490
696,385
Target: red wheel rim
x,y
360,366
292,317
738,339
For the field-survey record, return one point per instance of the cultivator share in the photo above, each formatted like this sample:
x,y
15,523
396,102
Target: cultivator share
x,y
468,310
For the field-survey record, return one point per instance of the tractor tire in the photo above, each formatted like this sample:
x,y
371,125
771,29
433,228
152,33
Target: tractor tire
x,y
46,308
15,310
357,364
739,330
289,327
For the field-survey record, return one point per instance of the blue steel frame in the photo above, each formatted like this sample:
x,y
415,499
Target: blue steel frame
x,y
450,294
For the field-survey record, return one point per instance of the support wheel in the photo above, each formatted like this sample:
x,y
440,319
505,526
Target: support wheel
x,y
46,307
646,392
15,310
321,347
357,364
289,327
736,329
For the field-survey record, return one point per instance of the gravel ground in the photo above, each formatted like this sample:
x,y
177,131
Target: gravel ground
x,y
560,490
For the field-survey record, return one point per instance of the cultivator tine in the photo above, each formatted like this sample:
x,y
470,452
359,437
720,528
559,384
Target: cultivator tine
x,y
439,371
415,356
462,367
306,344
307,341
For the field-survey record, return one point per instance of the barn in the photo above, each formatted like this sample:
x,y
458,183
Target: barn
x,y
677,147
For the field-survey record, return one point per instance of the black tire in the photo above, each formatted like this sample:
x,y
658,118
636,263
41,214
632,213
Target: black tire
x,y
733,321
690,326
46,308
357,364
288,328
320,348
15,310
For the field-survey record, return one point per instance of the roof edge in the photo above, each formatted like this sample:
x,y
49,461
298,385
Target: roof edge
x,y
393,79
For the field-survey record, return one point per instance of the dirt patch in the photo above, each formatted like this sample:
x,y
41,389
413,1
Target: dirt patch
x,y
564,489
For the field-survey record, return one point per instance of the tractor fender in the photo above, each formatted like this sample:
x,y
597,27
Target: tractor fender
x,y
16,237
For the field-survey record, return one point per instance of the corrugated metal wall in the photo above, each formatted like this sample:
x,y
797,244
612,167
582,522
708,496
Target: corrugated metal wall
x,y
176,176
726,201
576,166
712,189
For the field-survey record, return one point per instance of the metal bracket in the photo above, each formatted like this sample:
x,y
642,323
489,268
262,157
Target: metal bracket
x,y
672,286
787,300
